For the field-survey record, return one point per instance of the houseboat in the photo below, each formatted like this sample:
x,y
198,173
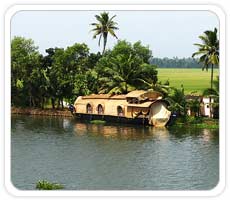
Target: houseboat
x,y
139,107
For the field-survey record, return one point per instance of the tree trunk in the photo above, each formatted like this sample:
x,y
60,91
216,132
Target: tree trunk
x,y
105,41
211,76
210,106
210,99
58,106
53,103
62,106
30,101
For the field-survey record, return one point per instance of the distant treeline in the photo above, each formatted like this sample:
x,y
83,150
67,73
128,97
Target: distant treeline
x,y
176,62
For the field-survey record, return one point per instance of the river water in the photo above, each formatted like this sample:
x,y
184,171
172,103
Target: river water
x,y
84,156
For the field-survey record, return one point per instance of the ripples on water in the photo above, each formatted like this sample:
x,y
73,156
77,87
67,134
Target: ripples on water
x,y
84,156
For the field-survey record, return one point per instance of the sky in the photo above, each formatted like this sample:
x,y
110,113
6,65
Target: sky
x,y
167,33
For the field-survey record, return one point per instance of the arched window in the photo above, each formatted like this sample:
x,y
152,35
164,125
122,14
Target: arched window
x,y
100,109
120,111
89,109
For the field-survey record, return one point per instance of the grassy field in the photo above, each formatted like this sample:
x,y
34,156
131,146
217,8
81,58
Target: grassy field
x,y
193,80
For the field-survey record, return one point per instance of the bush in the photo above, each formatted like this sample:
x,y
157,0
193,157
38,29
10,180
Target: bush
x,y
194,120
189,120
45,185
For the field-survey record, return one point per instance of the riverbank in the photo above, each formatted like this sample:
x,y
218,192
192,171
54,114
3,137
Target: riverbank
x,y
44,112
200,125
199,122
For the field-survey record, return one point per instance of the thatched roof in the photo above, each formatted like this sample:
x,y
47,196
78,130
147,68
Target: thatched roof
x,y
153,95
97,96
135,94
139,94
143,95
119,97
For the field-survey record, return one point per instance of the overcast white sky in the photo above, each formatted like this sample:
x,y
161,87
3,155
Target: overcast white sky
x,y
168,33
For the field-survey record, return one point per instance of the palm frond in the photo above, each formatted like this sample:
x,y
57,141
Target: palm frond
x,y
95,24
112,33
199,53
112,18
204,39
96,34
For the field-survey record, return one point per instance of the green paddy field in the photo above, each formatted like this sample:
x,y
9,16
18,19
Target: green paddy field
x,y
193,80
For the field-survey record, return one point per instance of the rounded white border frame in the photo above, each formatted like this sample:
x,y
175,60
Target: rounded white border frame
x,y
213,192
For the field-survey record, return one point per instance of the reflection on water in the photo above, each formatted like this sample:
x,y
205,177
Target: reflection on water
x,y
85,156
128,132
208,135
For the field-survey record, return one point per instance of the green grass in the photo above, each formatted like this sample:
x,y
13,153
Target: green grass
x,y
193,80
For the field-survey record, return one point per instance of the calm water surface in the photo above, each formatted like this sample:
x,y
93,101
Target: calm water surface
x,y
85,156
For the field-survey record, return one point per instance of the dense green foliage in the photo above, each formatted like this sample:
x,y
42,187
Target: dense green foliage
x,y
28,77
177,101
45,185
64,74
125,68
61,75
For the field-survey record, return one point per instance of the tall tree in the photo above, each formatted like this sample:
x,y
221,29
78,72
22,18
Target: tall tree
x,y
104,26
67,67
70,72
28,78
208,51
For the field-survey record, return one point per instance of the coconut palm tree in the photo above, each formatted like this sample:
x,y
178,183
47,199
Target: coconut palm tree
x,y
209,51
177,101
120,74
104,26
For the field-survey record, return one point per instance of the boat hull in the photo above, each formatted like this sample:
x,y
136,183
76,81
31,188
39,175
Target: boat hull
x,y
110,118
